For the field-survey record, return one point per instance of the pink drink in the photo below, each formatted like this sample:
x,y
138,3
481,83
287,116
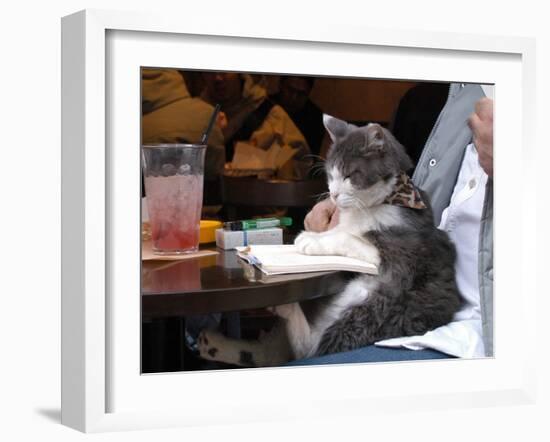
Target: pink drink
x,y
174,205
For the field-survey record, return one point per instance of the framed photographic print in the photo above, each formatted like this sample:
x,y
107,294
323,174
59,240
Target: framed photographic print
x,y
132,356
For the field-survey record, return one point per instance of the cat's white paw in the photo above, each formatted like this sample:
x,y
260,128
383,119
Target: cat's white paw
x,y
209,344
214,346
309,243
305,235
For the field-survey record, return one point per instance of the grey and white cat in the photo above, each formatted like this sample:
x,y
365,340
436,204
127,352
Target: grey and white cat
x,y
415,290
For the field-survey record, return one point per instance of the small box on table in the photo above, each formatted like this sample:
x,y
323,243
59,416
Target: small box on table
x,y
229,239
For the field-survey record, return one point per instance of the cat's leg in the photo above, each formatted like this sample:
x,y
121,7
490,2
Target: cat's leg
x,y
270,350
337,242
301,338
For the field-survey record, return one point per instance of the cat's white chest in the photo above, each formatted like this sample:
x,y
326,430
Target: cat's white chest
x,y
374,218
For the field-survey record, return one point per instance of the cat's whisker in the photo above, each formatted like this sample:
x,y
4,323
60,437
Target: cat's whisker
x,y
317,167
321,196
317,172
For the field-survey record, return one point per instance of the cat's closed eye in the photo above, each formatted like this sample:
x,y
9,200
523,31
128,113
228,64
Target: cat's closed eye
x,y
355,172
374,153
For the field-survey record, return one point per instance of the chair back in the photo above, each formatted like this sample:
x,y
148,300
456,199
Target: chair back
x,y
252,192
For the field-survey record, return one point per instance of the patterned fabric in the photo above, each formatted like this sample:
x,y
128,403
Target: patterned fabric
x,y
405,194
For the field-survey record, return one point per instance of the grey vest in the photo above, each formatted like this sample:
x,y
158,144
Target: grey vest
x,y
437,172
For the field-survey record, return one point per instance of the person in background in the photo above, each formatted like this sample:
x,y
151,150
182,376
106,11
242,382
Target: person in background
x,y
416,115
293,97
456,171
253,118
171,115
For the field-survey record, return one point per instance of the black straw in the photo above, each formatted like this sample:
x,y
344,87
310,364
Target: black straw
x,y
206,133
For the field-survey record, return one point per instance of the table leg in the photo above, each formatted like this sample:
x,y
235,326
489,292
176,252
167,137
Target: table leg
x,y
163,345
233,324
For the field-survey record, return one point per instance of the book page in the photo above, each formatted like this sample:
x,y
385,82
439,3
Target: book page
x,y
286,259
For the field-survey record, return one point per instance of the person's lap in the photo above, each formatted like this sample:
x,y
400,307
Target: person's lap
x,y
372,353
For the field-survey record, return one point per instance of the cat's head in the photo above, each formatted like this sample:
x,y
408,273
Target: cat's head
x,y
362,163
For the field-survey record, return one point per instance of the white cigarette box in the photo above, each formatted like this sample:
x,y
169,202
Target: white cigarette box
x,y
229,239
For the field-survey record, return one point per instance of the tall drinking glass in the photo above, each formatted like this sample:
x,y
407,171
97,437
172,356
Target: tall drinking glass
x,y
173,175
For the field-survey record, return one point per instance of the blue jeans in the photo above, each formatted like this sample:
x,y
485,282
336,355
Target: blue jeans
x,y
372,353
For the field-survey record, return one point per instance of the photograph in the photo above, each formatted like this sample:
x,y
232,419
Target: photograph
x,y
280,222
268,224
303,220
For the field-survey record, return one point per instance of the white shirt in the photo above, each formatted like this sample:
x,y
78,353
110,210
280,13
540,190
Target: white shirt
x,y
461,220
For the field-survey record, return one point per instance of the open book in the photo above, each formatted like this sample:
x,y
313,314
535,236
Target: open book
x,y
253,274
281,259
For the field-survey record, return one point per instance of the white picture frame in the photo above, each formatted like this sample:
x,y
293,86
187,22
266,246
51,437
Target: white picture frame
x,y
95,364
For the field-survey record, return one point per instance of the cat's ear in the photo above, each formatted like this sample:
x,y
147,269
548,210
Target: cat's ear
x,y
376,138
382,139
337,129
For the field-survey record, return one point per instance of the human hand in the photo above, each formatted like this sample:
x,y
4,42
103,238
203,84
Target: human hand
x,y
221,120
322,217
481,123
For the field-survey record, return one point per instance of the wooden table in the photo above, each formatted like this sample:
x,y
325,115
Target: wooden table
x,y
223,283
172,290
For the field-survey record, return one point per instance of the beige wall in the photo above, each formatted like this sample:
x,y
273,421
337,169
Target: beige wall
x,y
363,100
